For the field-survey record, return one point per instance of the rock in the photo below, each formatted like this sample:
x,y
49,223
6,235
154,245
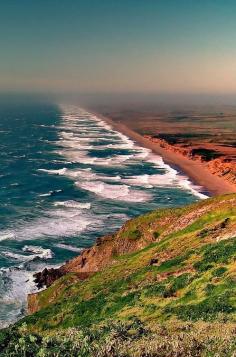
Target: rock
x,y
153,261
47,277
224,223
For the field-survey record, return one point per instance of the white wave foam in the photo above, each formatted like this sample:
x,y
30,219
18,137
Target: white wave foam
x,y
142,154
57,223
114,192
45,194
89,127
148,181
16,285
88,175
50,193
14,256
173,177
7,235
73,204
81,157
39,252
69,247
194,189
54,172
75,145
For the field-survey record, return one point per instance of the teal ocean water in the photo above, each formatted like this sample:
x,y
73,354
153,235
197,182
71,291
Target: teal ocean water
x,y
66,178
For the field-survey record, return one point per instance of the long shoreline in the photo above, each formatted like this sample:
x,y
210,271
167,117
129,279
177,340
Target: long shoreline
x,y
196,171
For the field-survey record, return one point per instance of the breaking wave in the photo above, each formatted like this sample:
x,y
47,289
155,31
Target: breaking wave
x,y
114,192
102,179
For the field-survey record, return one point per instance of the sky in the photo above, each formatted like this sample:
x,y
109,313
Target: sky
x,y
118,46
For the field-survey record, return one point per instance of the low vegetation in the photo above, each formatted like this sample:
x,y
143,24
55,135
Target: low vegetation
x,y
123,339
174,297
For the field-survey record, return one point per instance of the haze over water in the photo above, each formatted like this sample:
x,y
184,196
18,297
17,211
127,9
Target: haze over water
x,y
67,178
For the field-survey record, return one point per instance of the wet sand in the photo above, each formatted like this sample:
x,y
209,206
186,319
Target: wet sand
x,y
196,171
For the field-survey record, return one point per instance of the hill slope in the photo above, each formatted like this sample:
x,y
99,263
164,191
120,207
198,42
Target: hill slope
x,y
164,284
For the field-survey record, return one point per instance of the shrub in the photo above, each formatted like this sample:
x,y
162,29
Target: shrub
x,y
209,289
155,290
127,339
202,266
135,234
181,281
156,235
168,264
219,271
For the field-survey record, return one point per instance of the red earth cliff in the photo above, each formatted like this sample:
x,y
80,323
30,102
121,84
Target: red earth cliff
x,y
218,164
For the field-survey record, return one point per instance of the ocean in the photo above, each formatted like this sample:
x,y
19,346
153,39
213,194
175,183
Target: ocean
x,y
67,178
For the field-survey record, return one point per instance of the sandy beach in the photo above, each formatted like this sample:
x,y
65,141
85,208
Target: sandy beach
x,y
196,171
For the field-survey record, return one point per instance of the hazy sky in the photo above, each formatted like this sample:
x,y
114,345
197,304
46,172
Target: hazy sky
x,y
118,45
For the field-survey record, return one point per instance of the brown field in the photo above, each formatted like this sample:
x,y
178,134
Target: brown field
x,y
210,126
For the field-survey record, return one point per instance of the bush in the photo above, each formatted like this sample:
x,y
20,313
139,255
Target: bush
x,y
126,339
209,289
156,235
219,271
181,281
155,290
202,266
134,234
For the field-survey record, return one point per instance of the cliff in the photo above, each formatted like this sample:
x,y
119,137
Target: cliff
x,y
165,279
134,236
218,163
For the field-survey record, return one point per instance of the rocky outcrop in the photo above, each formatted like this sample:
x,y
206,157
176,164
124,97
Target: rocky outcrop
x,y
90,261
47,277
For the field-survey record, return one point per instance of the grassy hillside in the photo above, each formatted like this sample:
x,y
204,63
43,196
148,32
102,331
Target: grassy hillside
x,y
176,296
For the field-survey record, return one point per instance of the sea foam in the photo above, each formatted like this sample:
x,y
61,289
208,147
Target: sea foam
x,y
85,128
114,192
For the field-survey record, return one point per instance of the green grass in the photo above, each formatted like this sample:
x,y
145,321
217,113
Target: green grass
x,y
131,286
192,278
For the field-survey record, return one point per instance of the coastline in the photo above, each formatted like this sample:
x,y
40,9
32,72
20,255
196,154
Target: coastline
x,y
77,265
196,171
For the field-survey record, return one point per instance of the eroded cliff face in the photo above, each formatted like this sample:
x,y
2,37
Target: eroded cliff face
x,y
223,168
92,259
135,235
218,164
95,258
